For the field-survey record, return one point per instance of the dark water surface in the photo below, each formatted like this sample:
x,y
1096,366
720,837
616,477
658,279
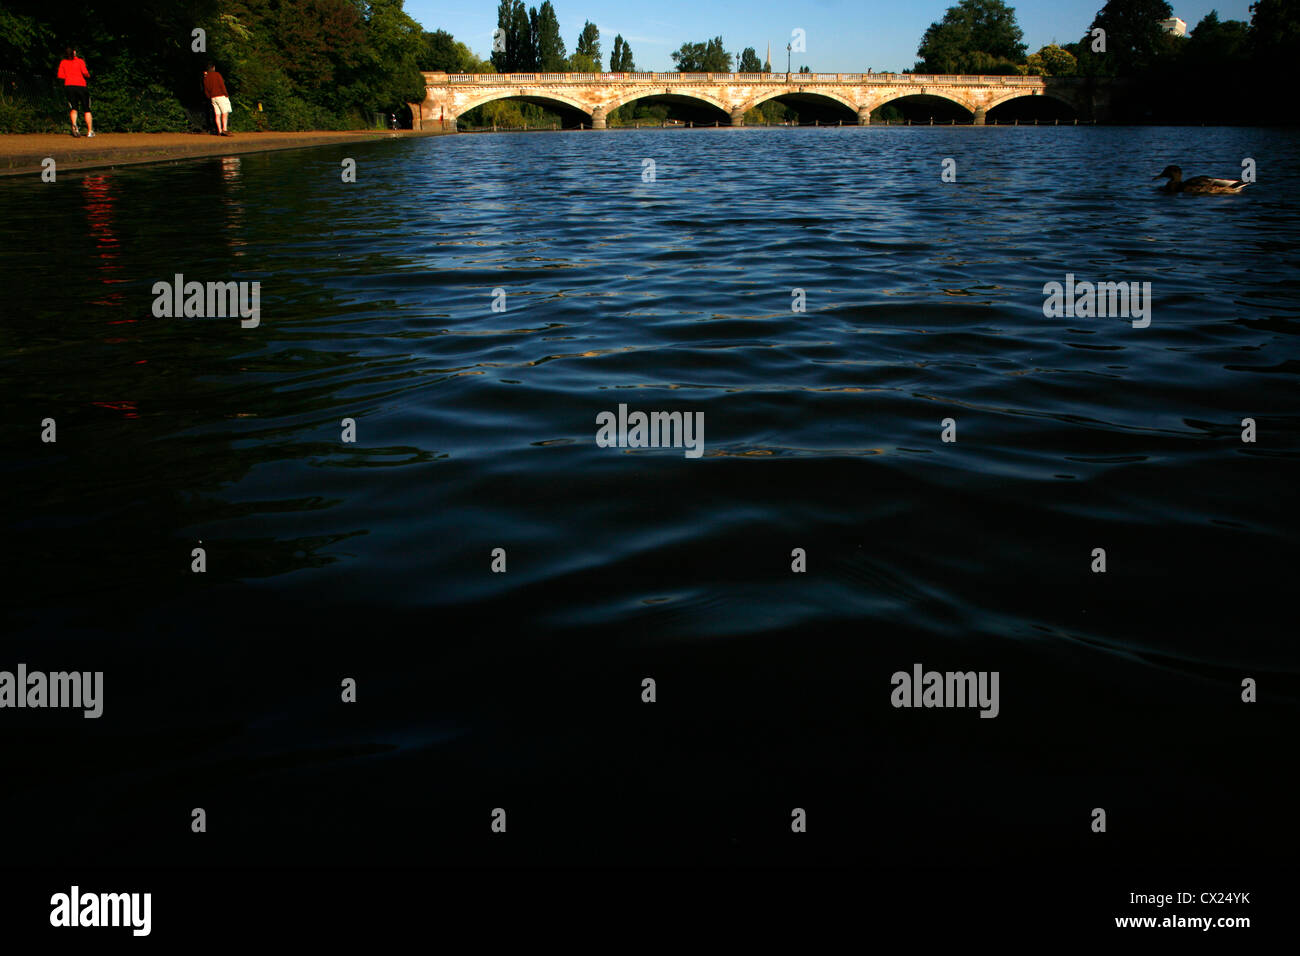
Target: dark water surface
x,y
476,430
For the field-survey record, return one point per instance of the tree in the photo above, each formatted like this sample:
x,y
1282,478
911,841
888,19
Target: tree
x,y
976,36
24,39
503,59
327,40
589,44
439,50
1215,45
1275,30
1133,35
533,33
1051,60
519,55
804,69
620,61
390,57
749,62
522,34
549,45
1274,50
581,63
710,57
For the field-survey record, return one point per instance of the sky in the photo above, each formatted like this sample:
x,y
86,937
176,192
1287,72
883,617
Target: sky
x,y
843,36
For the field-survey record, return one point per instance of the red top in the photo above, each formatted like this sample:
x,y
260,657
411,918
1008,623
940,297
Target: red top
x,y
73,72
213,84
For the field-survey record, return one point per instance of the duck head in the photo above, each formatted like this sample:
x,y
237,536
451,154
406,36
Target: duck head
x,y
1170,172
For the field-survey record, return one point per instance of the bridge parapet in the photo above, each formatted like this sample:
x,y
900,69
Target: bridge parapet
x,y
780,79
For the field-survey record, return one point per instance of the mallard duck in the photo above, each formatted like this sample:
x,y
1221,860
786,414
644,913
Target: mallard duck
x,y
1197,185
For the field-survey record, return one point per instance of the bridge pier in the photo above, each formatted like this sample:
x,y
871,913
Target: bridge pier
x,y
864,116
598,118
737,117
979,115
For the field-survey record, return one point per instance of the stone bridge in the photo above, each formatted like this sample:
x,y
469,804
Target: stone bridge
x,y
596,95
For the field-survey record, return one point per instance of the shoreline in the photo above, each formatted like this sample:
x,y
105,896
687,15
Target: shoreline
x,y
23,153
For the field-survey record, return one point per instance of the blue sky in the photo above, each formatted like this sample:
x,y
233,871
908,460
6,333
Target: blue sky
x,y
843,36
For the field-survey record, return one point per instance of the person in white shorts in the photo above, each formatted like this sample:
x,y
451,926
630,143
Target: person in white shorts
x,y
214,88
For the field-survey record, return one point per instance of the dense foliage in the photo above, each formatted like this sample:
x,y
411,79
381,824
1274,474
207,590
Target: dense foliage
x,y
528,41
708,57
1051,60
750,63
441,51
1206,76
309,63
1222,71
620,61
976,36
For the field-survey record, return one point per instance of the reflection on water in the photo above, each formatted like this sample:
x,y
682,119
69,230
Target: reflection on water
x,y
99,219
233,205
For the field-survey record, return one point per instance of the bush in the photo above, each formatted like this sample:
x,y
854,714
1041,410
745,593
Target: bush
x,y
151,109
31,104
511,113
22,116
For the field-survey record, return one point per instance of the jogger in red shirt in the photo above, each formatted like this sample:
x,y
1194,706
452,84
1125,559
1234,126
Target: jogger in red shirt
x,y
73,73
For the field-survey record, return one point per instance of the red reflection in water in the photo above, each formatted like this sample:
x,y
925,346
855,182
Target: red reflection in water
x,y
99,201
99,214
127,409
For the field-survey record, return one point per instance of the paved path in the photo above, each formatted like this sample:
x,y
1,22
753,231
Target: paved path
x,y
23,153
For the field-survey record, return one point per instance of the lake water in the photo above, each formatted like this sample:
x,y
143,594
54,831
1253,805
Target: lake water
x,y
476,430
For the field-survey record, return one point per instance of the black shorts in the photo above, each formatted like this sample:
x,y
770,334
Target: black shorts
x,y
78,98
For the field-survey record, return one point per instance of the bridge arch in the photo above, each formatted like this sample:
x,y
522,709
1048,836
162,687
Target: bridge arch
x,y
766,95
940,93
1033,94
539,97
666,92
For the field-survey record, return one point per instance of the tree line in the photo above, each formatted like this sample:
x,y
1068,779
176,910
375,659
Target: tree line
x,y
1124,39
527,40
308,64
1207,75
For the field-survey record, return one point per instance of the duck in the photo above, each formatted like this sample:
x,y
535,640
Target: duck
x,y
1197,185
